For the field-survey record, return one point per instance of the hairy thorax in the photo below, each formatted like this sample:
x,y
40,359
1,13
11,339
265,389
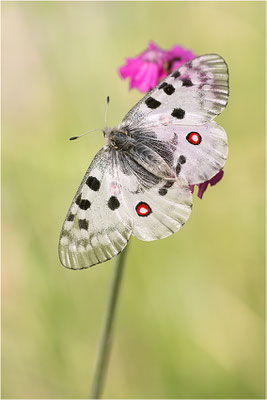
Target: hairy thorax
x,y
144,154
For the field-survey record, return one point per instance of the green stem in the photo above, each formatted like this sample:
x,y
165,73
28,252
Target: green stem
x,y
105,342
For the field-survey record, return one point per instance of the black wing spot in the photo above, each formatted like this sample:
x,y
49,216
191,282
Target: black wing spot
x,y
83,224
71,217
182,159
84,204
113,203
78,200
187,82
178,113
168,184
93,183
168,88
178,169
152,103
175,74
163,191
163,85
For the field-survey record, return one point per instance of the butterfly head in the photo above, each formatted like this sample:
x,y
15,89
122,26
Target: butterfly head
x,y
119,139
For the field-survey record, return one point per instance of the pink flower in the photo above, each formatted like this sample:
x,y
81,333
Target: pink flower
x,y
176,57
203,186
145,70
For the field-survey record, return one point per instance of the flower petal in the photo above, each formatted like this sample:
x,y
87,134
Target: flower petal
x,y
131,68
216,178
192,188
152,46
202,188
146,69
177,56
147,78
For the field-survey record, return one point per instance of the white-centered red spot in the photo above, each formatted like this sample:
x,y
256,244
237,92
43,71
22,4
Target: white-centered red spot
x,y
193,138
143,209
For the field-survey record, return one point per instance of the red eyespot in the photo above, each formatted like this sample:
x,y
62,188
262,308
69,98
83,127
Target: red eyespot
x,y
143,209
193,138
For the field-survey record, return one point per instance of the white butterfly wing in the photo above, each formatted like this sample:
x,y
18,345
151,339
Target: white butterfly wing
x,y
192,95
199,151
160,211
96,227
157,208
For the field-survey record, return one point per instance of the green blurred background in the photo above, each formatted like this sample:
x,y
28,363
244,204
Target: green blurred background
x,y
190,322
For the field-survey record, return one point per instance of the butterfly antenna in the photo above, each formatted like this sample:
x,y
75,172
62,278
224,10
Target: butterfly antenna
x,y
106,112
93,130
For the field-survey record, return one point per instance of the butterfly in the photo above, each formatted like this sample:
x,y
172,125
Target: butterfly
x,y
138,183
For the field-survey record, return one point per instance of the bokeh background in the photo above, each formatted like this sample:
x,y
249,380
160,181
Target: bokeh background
x,y
190,322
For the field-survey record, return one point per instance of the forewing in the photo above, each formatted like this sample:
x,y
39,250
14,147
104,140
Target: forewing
x,y
96,228
192,95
